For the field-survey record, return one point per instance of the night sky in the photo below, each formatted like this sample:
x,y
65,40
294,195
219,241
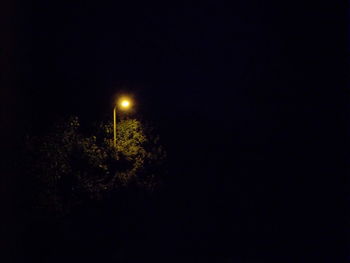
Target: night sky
x,y
247,97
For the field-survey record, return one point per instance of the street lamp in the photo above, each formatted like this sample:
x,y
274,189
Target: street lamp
x,y
124,103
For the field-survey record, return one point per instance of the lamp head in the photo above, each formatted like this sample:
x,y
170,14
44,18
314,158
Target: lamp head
x,y
124,103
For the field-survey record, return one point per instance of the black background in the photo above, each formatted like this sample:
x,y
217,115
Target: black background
x,y
249,98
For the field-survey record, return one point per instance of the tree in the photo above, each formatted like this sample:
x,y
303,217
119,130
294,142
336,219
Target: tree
x,y
68,167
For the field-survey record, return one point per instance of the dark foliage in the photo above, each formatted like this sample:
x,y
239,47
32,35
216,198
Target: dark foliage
x,y
67,167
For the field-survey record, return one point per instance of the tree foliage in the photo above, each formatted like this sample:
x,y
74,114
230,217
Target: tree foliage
x,y
69,167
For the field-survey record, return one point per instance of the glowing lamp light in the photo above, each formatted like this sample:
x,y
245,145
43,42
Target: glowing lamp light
x,y
125,104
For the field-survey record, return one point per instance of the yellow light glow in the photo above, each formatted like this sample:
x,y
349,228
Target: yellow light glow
x,y
125,103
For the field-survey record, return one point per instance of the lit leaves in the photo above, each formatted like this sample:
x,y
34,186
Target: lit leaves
x,y
70,166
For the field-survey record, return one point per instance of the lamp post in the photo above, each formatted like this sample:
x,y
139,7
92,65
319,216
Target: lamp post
x,y
124,104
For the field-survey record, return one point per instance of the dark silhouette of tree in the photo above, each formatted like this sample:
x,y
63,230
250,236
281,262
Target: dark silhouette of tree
x,y
67,167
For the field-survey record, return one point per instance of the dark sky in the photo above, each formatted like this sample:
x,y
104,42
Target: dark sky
x,y
247,95
242,61
185,58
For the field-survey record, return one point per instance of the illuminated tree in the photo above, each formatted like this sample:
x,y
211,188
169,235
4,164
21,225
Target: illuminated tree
x,y
69,167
